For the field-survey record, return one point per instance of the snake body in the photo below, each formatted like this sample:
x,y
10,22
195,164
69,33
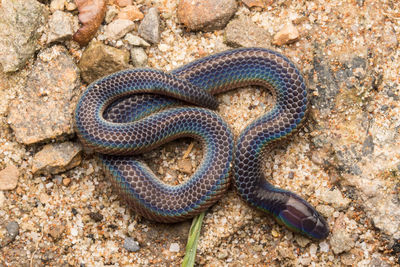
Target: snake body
x,y
123,114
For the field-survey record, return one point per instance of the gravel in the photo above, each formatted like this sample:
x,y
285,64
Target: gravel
x,y
131,245
344,161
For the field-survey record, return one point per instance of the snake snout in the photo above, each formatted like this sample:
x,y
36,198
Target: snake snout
x,y
303,218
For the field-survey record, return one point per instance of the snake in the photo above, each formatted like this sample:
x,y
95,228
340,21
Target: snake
x,y
133,111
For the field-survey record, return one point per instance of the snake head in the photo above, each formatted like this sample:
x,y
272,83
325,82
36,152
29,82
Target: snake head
x,y
301,217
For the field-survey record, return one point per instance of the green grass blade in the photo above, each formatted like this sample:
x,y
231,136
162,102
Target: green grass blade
x,y
191,246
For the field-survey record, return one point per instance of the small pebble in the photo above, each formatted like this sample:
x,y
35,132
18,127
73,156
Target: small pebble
x,y
2,199
324,246
341,240
149,28
274,233
56,231
123,3
60,27
74,211
396,246
222,254
335,198
242,31
131,245
58,179
74,231
70,6
135,40
288,34
185,165
206,15
49,185
9,177
44,198
130,12
57,157
111,13
99,60
118,28
12,229
66,181
56,5
174,247
254,3
139,57
326,210
95,216
302,240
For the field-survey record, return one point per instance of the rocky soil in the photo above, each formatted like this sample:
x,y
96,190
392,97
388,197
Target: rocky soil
x,y
58,209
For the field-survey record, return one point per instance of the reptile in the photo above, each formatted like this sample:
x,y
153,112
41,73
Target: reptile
x,y
133,111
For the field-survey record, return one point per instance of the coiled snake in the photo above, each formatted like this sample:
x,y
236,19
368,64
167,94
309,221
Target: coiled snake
x,y
134,111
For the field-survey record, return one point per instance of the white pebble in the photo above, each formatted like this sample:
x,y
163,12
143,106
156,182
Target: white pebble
x,y
74,231
174,247
324,246
163,47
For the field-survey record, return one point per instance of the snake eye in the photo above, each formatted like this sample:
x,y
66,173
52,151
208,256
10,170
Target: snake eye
x,y
301,217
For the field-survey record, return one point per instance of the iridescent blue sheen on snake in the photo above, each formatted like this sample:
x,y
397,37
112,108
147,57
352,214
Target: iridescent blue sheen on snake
x,y
122,114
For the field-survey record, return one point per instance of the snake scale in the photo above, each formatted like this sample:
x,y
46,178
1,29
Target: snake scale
x,y
133,111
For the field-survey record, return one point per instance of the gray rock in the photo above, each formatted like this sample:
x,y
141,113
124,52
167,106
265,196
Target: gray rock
x,y
118,28
60,27
12,229
243,32
57,157
43,110
99,60
19,24
139,57
149,28
206,15
131,245
135,40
